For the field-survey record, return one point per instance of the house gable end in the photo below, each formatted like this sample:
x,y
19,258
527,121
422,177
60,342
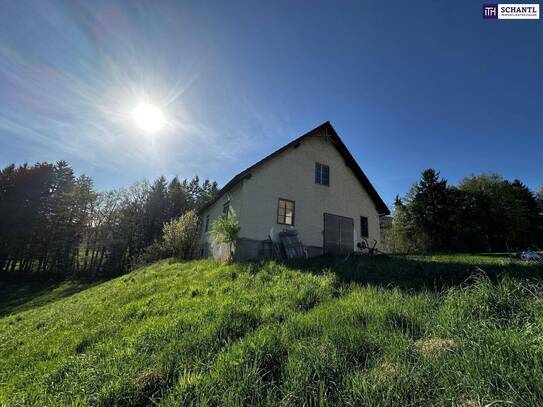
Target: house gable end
x,y
325,130
291,177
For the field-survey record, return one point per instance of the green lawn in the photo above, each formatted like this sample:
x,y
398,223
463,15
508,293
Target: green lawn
x,y
441,330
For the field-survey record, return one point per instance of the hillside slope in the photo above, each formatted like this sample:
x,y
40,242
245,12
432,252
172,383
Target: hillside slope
x,y
387,331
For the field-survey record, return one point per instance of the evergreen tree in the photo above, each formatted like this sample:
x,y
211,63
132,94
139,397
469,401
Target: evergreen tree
x,y
156,210
429,206
178,199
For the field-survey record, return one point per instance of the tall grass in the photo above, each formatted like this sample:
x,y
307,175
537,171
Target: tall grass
x,y
317,333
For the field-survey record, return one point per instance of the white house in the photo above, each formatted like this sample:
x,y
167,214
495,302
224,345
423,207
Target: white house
x,y
312,185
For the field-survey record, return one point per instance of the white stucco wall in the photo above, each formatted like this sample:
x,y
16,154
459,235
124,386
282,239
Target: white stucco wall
x,y
291,175
234,196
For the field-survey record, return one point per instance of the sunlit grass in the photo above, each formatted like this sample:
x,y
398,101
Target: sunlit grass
x,y
389,331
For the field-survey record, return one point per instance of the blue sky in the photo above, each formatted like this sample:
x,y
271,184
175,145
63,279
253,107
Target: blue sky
x,y
407,85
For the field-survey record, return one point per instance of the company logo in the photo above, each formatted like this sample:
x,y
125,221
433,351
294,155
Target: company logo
x,y
490,11
511,11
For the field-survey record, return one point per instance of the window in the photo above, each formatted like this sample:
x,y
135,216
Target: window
x,y
364,226
322,174
207,224
285,212
226,209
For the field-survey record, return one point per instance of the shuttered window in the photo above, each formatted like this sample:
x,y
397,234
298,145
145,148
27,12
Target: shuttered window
x,y
322,174
364,226
285,212
207,224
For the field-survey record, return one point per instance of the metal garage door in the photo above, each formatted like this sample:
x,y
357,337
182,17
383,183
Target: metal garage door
x,y
338,235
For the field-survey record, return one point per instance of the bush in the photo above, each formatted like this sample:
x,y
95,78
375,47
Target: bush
x,y
154,252
225,230
180,236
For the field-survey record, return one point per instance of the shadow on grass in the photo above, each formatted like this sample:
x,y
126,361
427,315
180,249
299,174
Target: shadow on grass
x,y
413,273
495,255
417,273
25,295
502,255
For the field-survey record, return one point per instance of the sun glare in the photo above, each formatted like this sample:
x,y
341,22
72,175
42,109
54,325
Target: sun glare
x,y
148,117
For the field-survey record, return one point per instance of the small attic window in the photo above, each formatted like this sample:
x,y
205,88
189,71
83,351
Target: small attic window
x,y
322,174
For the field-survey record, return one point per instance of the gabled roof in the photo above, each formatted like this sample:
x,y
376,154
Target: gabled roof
x,y
340,146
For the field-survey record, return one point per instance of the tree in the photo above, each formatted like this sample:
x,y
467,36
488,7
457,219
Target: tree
x,y
200,194
423,219
156,210
207,193
484,213
225,230
54,222
506,213
524,216
103,219
178,199
180,236
540,201
540,217
25,211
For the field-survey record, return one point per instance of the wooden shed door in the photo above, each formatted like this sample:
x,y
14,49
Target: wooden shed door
x,y
338,235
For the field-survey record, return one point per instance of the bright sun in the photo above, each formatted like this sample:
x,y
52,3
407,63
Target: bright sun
x,y
149,118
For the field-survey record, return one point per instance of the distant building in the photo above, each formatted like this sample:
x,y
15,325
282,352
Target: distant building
x,y
312,185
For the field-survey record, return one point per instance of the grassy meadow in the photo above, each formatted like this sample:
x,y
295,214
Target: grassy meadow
x,y
391,330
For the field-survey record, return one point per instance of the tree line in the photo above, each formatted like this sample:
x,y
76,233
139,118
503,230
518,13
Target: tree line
x,y
55,223
484,213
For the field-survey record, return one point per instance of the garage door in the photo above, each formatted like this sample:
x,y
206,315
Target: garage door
x,y
338,235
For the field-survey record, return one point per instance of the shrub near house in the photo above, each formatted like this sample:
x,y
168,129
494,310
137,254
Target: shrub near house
x,y
225,230
180,236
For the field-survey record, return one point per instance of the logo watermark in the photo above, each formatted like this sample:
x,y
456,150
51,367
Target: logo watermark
x,y
511,11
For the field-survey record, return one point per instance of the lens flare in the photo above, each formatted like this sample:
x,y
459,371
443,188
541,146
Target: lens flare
x,y
148,117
